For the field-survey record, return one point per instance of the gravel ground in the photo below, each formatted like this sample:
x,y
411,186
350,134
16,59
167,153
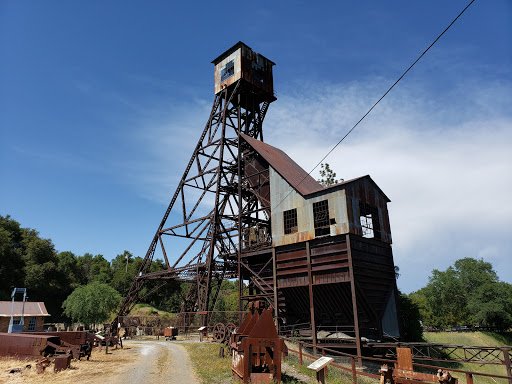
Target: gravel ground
x,y
157,361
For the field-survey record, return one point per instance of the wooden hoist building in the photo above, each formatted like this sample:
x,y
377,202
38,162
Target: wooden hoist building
x,y
320,256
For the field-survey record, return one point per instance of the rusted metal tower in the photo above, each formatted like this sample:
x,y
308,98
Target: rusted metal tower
x,y
198,237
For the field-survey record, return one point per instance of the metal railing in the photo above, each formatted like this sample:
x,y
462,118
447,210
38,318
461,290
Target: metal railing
x,y
369,366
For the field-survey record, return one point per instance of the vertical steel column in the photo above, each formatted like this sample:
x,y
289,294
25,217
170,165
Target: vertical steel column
x,y
239,161
311,301
274,273
354,299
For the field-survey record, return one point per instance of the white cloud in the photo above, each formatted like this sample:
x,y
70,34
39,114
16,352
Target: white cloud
x,y
446,165
444,161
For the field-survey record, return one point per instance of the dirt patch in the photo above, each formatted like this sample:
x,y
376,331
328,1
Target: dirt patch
x,y
100,367
141,361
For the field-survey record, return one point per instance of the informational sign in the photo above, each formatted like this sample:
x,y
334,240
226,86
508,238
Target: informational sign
x,y
321,363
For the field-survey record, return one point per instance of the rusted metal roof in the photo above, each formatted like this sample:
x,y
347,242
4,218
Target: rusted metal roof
x,y
297,177
344,183
31,309
232,49
285,166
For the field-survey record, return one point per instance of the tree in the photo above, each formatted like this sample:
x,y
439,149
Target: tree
x,y
11,262
124,269
467,293
68,266
410,319
327,175
490,305
92,303
95,268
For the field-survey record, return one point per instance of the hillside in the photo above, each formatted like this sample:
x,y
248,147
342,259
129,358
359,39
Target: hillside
x,y
486,339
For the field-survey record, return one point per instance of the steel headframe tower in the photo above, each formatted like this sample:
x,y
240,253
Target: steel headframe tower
x,y
212,204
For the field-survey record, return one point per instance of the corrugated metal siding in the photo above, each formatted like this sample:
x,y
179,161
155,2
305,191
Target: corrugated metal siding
x,y
31,309
285,197
247,62
236,57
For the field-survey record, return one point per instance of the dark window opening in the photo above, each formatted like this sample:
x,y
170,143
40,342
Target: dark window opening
x,y
369,219
257,71
321,218
227,71
290,221
32,324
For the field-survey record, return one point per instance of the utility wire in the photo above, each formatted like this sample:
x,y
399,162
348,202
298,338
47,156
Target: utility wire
x,y
378,101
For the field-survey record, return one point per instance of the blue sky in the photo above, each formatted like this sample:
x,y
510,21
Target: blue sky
x,y
102,103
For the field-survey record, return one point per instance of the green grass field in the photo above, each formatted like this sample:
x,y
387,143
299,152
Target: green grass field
x,y
212,369
488,339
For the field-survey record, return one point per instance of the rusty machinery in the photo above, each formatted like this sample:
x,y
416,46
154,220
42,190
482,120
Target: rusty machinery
x,y
213,174
48,348
79,342
322,259
221,333
256,348
170,333
404,373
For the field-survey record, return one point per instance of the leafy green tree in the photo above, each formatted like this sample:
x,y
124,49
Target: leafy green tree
x,y
446,298
419,298
327,175
467,293
410,319
490,305
27,260
92,303
68,266
42,277
95,268
124,269
11,262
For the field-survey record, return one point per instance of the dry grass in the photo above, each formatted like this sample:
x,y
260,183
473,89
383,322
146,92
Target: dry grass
x,y
100,368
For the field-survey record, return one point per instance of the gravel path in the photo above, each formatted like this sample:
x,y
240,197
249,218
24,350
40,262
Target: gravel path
x,y
157,361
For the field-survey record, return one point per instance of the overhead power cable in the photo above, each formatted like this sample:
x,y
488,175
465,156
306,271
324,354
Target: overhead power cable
x,y
384,95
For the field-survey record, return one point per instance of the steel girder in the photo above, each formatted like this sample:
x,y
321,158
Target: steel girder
x,y
210,206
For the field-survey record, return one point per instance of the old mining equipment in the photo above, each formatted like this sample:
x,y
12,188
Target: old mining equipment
x,y
211,225
321,257
403,372
256,348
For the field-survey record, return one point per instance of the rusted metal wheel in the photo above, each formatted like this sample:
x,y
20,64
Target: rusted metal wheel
x,y
230,328
219,332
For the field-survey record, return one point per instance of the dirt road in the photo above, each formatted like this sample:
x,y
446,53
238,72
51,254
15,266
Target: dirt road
x,y
157,361
140,362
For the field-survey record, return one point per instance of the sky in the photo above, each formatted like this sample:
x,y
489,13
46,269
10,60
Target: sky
x,y
102,104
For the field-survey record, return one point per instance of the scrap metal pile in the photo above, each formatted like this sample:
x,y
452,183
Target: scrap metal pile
x,y
52,347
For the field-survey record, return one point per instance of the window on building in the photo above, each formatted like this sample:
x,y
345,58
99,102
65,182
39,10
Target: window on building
x,y
369,218
227,71
32,324
290,221
321,218
16,320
